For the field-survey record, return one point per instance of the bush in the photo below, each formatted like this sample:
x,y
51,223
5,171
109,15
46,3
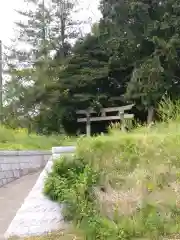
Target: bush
x,y
71,183
123,185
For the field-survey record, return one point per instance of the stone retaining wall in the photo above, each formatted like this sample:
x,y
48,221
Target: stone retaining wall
x,y
38,215
15,164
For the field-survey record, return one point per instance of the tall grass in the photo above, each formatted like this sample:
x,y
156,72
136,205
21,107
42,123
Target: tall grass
x,y
169,110
124,185
19,139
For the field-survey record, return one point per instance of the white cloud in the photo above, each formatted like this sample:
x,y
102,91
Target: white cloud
x,y
8,15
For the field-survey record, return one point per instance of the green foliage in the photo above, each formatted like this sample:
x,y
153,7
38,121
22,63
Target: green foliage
x,y
47,29
155,71
122,185
131,55
19,139
71,182
169,110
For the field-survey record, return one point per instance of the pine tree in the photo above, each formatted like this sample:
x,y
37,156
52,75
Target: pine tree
x,y
45,31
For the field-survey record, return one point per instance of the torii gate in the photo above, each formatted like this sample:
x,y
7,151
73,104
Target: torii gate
x,y
118,115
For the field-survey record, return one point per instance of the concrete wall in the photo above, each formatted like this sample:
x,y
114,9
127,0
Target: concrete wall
x,y
38,215
58,151
15,164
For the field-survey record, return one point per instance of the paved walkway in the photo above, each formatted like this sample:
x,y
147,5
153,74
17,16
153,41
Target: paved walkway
x,y
37,215
11,198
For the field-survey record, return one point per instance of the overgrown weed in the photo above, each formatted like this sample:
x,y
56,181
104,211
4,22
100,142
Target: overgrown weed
x,y
123,185
19,139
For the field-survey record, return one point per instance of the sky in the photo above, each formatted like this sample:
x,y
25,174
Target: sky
x,y
7,18
8,15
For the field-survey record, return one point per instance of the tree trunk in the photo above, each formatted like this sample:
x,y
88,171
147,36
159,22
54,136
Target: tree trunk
x,y
150,116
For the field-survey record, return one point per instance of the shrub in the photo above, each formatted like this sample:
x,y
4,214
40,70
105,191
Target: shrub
x,y
71,183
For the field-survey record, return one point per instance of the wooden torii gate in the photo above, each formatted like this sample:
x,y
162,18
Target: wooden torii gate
x,y
118,115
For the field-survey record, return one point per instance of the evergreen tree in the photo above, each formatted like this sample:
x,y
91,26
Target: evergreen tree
x,y
45,31
131,55
149,32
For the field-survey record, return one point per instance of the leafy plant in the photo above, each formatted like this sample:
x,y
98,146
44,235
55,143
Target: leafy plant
x,y
122,186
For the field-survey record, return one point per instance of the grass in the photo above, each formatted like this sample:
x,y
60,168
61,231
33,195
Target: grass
x,y
67,235
124,185
19,139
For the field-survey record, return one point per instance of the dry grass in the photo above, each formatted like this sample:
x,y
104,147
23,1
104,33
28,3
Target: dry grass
x,y
134,193
70,235
121,202
137,169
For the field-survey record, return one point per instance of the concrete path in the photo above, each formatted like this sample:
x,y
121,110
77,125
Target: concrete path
x,y
37,215
12,197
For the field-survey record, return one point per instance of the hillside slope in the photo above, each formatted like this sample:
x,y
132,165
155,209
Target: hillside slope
x,y
123,186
